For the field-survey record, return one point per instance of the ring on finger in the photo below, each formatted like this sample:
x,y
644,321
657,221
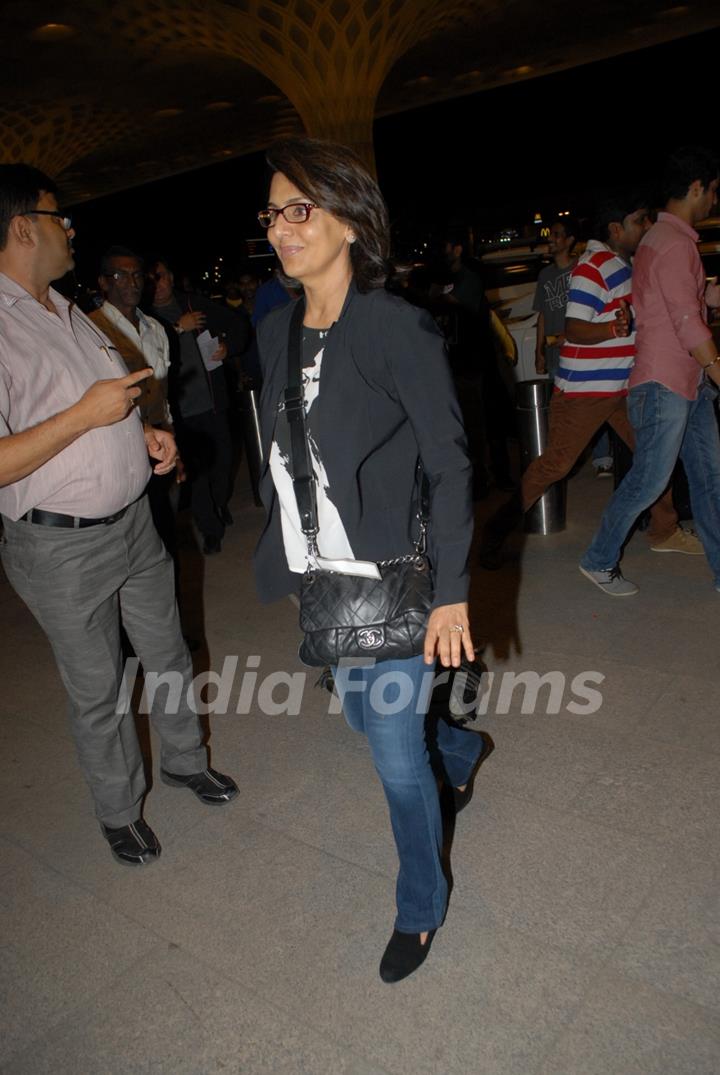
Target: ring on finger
x,y
457,627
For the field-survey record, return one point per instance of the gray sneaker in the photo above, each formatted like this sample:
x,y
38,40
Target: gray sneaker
x,y
611,582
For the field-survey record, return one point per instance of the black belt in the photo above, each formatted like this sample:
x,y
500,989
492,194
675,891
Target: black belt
x,y
54,518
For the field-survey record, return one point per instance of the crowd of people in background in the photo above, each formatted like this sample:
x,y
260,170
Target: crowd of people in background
x,y
201,348
586,347
623,337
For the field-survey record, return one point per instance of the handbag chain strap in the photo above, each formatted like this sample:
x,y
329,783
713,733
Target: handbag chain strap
x,y
303,475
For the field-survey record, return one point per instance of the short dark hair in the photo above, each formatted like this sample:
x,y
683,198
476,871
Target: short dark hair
x,y
154,258
683,167
613,210
334,177
570,226
117,252
21,187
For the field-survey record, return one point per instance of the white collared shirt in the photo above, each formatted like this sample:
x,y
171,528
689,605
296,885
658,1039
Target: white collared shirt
x,y
47,362
151,339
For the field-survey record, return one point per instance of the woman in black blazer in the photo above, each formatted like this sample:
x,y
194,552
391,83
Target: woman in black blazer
x,y
378,398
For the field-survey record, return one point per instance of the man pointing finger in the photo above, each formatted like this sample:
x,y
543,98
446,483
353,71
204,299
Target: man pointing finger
x,y
79,545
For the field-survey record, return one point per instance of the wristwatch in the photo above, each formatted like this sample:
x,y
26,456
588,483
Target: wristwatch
x,y
178,328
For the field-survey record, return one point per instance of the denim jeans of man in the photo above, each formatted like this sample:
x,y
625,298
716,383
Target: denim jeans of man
x,y
666,426
573,421
388,702
601,454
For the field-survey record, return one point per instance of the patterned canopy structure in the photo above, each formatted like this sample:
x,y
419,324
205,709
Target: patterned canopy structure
x,y
105,96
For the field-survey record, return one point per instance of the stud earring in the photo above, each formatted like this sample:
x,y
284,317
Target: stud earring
x,y
351,238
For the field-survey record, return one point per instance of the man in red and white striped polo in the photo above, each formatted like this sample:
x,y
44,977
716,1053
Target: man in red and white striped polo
x,y
595,362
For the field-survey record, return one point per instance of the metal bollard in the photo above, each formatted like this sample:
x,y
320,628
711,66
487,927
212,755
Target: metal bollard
x,y
250,421
533,401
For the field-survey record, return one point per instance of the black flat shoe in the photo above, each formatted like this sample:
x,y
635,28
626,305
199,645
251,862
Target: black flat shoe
x,y
462,798
403,955
133,845
210,787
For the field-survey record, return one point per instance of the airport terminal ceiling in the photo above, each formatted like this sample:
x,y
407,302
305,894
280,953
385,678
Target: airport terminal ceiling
x,y
108,96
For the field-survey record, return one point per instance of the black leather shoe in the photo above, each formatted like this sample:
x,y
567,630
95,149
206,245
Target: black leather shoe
x,y
210,787
212,545
133,845
462,798
403,955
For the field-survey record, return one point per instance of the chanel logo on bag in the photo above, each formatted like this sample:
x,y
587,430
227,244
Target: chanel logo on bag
x,y
370,637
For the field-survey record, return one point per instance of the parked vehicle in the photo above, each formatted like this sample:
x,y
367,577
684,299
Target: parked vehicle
x,y
510,278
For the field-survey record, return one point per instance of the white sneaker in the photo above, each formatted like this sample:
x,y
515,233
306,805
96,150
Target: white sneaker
x,y
611,582
604,471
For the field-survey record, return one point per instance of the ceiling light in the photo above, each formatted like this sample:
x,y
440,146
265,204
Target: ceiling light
x,y
167,113
53,31
468,75
269,99
524,69
219,106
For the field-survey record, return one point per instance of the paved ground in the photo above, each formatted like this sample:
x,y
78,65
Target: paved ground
x,y
583,932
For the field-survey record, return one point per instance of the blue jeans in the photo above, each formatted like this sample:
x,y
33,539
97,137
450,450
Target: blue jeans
x,y
389,702
666,426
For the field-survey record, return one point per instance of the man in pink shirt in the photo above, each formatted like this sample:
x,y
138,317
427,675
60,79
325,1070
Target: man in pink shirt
x,y
79,546
673,385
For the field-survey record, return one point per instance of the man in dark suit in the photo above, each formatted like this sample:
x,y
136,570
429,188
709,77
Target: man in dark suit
x,y
199,396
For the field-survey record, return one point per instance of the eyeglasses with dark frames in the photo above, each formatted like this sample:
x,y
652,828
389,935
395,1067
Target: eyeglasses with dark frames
x,y
65,221
295,213
120,276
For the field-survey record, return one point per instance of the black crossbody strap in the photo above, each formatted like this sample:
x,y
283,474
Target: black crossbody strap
x,y
300,459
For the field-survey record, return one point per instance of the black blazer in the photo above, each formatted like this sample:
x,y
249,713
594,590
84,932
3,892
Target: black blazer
x,y
219,319
386,398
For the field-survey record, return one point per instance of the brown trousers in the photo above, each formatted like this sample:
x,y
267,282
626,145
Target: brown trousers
x,y
573,422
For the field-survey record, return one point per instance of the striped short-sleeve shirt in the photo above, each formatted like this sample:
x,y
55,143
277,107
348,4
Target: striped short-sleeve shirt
x,y
600,280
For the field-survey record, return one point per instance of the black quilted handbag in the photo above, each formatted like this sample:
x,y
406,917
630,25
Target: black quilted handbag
x,y
348,615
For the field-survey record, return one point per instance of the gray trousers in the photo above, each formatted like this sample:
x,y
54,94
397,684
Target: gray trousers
x,y
78,584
